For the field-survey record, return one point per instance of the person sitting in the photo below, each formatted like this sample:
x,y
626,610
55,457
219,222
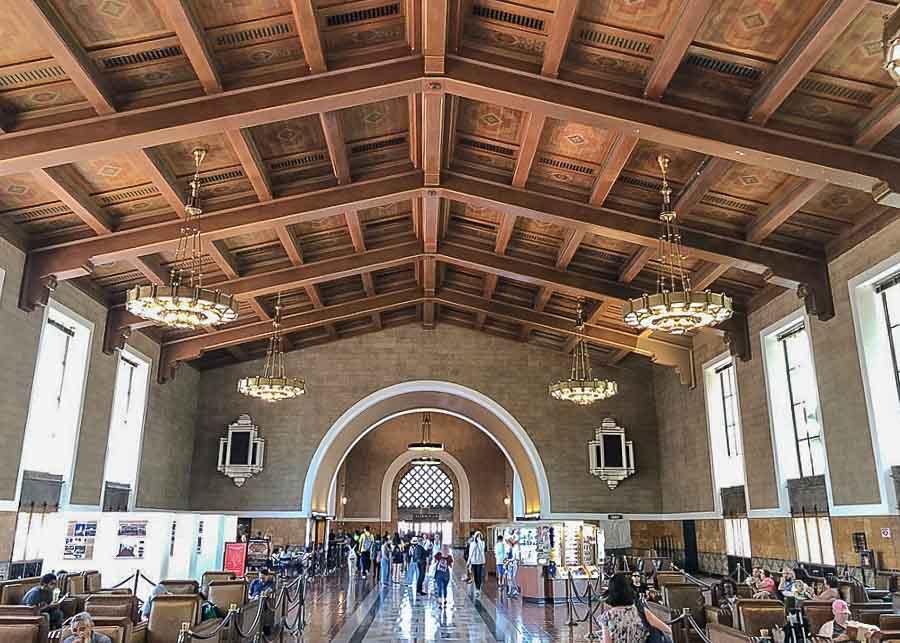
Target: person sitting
x,y
263,583
728,594
41,596
836,629
82,626
754,579
766,587
830,593
802,591
157,590
786,585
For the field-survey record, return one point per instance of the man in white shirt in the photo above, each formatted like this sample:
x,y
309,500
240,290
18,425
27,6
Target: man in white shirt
x,y
499,557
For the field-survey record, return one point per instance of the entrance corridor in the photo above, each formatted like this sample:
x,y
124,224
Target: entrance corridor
x,y
346,610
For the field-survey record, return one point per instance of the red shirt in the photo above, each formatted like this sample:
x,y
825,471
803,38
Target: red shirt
x,y
442,563
767,585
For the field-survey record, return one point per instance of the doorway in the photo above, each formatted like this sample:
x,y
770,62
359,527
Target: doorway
x,y
691,562
442,527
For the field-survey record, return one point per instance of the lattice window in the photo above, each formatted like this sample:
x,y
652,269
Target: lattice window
x,y
425,487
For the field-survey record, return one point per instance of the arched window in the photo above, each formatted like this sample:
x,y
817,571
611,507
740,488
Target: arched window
x,y
425,487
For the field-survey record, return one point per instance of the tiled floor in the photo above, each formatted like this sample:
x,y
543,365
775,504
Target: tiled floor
x,y
351,611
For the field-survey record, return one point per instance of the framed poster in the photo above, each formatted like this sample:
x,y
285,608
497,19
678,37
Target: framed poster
x,y
258,553
80,536
235,558
132,537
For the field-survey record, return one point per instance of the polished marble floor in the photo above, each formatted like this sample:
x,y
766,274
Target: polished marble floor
x,y
345,610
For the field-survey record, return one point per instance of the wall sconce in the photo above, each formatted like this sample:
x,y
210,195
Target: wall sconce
x,y
611,455
241,452
343,500
506,501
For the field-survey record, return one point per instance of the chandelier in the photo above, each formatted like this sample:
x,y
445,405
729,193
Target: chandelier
x,y
273,385
891,45
426,462
675,308
581,388
425,444
184,302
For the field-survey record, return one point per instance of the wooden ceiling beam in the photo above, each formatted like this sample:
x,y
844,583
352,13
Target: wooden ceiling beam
x,y
674,126
194,346
558,38
357,236
223,258
708,174
434,27
290,243
569,247
63,186
504,233
662,352
707,274
641,230
151,268
880,122
636,264
793,196
433,132
254,168
688,20
258,309
180,18
162,178
310,39
146,127
615,161
46,28
528,147
820,34
337,146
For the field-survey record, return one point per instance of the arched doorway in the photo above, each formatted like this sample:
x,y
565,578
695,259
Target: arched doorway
x,y
425,501
436,396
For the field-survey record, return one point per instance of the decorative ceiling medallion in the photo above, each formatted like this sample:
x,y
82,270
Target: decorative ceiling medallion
x,y
576,139
374,116
113,9
490,119
109,170
749,179
17,188
753,21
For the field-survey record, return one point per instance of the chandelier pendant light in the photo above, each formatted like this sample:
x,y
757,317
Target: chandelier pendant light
x,y
675,308
426,443
581,388
273,385
184,302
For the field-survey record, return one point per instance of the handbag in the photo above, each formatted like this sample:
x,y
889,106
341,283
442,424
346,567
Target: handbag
x,y
653,635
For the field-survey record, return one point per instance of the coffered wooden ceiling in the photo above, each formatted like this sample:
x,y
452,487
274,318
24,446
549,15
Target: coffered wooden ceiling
x,y
474,162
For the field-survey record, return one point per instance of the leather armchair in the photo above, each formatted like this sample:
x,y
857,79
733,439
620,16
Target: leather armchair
x,y
817,613
666,578
225,593
211,576
723,634
755,615
890,627
93,582
112,605
169,611
12,592
24,629
179,586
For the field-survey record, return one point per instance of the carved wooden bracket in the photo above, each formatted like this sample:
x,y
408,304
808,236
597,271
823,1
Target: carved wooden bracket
x,y
737,336
817,297
117,331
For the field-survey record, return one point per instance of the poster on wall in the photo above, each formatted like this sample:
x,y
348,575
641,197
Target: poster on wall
x,y
80,538
257,553
235,558
132,536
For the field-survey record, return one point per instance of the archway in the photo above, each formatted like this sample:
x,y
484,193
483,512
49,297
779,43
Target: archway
x,y
436,396
387,485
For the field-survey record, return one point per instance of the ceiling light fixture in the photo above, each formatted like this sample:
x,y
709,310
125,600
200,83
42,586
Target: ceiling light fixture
x,y
425,444
890,43
675,308
273,385
581,388
184,302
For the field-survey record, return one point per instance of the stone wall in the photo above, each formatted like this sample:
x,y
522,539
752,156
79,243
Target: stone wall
x,y
485,465
515,375
164,478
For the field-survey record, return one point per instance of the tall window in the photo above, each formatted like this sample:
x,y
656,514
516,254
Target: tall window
x,y
890,299
801,390
127,420
425,487
812,535
54,413
729,409
737,537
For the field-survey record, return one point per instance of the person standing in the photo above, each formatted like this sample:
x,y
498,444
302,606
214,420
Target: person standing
x,y
386,559
420,559
476,560
443,563
397,558
499,558
365,552
468,578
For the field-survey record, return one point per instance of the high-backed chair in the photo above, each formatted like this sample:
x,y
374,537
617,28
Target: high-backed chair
x,y
118,630
665,578
723,634
24,629
93,582
179,586
890,627
12,592
112,605
19,610
211,576
76,585
817,613
755,615
744,591
168,613
680,596
225,593
870,613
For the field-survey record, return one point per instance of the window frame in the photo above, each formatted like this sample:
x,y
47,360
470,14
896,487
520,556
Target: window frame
x,y
439,477
731,430
804,520
882,289
782,338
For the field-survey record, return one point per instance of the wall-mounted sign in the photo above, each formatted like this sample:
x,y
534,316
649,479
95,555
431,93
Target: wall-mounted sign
x,y
615,516
611,456
235,558
80,538
241,452
885,532
258,552
132,537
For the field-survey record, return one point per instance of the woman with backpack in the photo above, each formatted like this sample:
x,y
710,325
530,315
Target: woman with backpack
x,y
476,560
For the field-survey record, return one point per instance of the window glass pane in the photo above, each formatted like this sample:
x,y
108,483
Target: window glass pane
x,y
827,543
812,536
801,540
127,420
745,537
806,468
892,298
817,452
425,487
730,546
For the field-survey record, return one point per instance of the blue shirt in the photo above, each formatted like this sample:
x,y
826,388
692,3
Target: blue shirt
x,y
38,596
259,586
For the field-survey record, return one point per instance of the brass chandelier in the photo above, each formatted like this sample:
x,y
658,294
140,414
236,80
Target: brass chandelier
x,y
581,388
675,308
426,444
185,303
273,385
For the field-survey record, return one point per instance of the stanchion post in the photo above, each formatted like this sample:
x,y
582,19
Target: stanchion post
x,y
183,633
591,635
569,607
137,577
